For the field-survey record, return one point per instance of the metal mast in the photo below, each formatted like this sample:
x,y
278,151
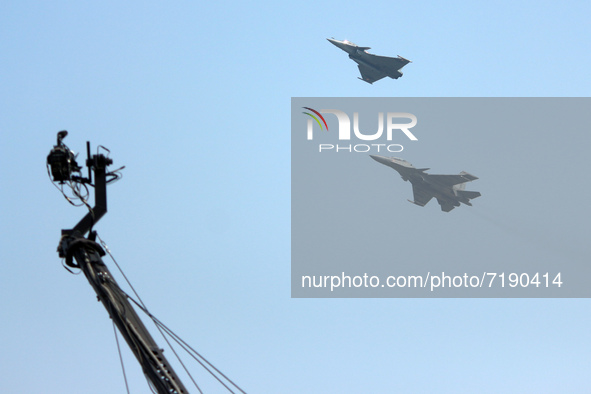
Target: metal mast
x,y
87,255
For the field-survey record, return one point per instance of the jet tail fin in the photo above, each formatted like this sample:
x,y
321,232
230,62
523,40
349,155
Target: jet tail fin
x,y
468,176
416,203
468,194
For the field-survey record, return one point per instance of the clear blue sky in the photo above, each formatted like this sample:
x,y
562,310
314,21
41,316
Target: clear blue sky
x,y
194,98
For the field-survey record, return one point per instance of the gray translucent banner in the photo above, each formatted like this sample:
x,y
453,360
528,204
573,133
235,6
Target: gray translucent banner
x,y
354,234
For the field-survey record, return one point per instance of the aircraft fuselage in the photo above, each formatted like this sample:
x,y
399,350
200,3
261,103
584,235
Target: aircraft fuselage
x,y
447,189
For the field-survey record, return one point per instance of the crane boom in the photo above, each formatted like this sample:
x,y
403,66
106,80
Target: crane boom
x,y
87,255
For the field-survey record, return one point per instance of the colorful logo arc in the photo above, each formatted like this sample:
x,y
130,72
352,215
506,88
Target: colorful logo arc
x,y
315,118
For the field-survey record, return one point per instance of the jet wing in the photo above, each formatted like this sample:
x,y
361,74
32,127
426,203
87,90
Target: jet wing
x,y
446,206
369,74
385,62
421,197
450,180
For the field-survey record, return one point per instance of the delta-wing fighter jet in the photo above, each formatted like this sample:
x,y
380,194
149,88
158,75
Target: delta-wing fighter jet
x,y
372,67
447,189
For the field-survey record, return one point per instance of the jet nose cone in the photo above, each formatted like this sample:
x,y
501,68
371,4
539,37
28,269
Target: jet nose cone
x,y
379,159
340,44
333,41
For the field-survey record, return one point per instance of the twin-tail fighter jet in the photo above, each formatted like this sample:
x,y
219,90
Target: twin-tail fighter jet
x,y
372,67
447,189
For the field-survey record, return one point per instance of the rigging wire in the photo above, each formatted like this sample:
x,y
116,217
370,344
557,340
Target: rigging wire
x,y
161,326
92,272
143,307
161,333
120,357
118,304
186,347
190,350
177,357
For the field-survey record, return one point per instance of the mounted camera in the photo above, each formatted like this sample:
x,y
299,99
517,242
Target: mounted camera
x,y
62,168
62,160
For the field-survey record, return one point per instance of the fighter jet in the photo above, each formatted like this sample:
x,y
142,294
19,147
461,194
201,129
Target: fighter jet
x,y
447,189
372,67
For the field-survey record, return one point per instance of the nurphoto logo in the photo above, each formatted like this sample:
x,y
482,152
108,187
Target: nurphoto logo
x,y
344,130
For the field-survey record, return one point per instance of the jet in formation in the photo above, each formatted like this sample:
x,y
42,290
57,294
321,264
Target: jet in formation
x,y
447,189
372,67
